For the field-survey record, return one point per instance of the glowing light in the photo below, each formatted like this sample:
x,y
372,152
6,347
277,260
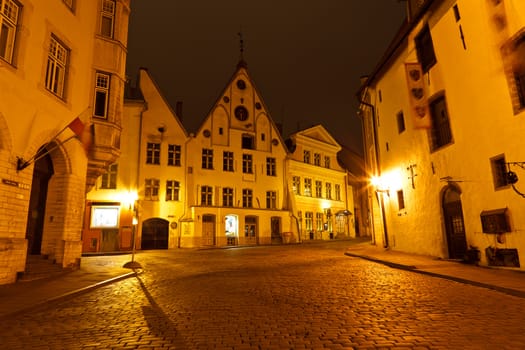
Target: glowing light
x,y
388,181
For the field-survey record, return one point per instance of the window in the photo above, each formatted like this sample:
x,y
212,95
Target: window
x,y
308,221
174,154
108,18
499,171
247,164
328,191
151,189
516,57
306,156
227,197
227,161
400,200
308,187
109,179
296,184
247,142
57,61
440,132
337,192
172,190
206,195
327,162
207,158
400,122
9,12
247,198
271,166
319,221
318,189
495,221
153,153
317,159
271,199
101,95
425,49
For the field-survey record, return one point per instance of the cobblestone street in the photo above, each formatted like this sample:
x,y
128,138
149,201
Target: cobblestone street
x,y
308,296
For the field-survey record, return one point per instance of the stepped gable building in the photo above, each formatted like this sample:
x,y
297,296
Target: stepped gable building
x,y
227,184
61,99
443,130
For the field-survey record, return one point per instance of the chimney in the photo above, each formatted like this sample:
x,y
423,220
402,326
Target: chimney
x,y
178,109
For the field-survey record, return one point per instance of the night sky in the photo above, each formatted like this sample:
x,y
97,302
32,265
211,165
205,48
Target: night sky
x,y
305,56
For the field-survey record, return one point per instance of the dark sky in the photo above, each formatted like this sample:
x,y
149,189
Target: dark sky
x,y
305,56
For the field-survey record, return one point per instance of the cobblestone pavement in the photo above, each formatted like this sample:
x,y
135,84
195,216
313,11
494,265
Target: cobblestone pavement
x,y
279,297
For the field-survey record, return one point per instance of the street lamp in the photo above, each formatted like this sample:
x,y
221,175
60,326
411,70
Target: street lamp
x,y
130,198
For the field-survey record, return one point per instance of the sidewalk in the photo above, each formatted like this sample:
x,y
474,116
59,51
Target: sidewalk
x,y
94,271
97,271
500,279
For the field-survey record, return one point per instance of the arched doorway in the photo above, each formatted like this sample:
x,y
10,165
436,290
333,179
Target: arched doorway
x,y
42,172
155,233
454,224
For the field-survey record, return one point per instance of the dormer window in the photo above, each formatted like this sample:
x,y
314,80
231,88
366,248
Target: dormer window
x,y
248,142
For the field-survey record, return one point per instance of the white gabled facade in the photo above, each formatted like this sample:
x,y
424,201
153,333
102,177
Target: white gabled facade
x,y
320,194
235,182
50,53
443,188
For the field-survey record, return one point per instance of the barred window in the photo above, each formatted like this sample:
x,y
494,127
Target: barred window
x,y
440,132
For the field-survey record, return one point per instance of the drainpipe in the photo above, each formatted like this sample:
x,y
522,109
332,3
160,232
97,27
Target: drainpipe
x,y
185,163
378,167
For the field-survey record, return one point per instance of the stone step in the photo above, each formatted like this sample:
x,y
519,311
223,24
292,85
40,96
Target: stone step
x,y
39,267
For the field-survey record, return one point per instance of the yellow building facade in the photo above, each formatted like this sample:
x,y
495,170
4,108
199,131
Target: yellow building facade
x,y
443,133
226,184
60,91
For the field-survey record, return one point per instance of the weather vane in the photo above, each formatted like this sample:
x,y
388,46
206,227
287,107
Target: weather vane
x,y
241,43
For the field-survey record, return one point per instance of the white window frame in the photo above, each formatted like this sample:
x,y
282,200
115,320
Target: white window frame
x,y
102,87
108,16
57,64
9,15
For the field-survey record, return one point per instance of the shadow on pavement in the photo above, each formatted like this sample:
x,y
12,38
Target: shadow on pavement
x,y
158,322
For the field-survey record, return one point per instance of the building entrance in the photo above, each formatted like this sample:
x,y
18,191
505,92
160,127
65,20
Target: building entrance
x,y
454,224
43,170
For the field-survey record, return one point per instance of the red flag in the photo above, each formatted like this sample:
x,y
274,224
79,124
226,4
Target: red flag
x,y
417,96
84,134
